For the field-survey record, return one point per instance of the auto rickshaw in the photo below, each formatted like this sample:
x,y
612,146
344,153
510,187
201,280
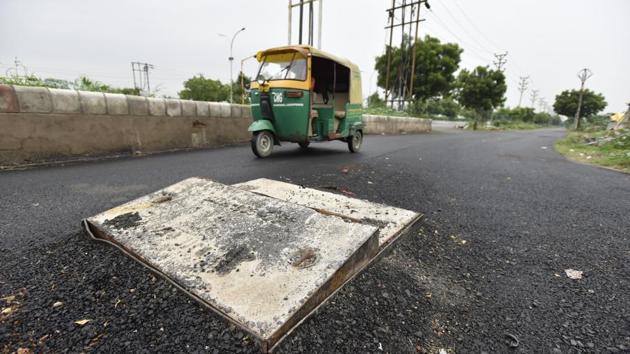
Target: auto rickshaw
x,y
303,95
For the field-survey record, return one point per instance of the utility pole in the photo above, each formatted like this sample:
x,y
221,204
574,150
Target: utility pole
x,y
310,38
140,72
16,69
500,60
534,96
389,48
406,70
522,87
542,104
583,75
231,58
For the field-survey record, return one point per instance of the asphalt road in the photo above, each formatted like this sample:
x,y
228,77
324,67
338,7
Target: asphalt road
x,y
505,216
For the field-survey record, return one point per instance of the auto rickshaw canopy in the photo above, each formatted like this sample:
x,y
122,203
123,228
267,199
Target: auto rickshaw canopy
x,y
355,96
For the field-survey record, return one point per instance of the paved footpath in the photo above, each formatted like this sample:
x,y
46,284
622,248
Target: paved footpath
x,y
505,216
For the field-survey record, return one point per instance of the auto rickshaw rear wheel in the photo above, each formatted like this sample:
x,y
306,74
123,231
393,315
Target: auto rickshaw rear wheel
x,y
262,143
304,145
355,141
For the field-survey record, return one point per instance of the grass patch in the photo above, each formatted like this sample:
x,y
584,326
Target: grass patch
x,y
502,125
385,111
603,148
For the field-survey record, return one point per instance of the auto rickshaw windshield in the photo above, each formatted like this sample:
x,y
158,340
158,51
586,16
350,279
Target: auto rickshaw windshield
x,y
283,66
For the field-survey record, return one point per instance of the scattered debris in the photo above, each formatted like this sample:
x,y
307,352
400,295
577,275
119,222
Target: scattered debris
x,y
124,221
347,192
574,274
345,170
442,351
512,340
543,147
82,322
162,199
304,258
57,304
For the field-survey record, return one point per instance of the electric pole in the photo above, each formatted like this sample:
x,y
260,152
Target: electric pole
x,y
522,87
534,96
403,87
583,75
302,5
500,60
140,72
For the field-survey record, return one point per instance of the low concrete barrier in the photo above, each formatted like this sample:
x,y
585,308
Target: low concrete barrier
x,y
395,125
39,124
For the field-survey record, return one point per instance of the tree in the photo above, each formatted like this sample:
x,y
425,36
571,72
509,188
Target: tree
x,y
567,101
435,67
481,90
240,94
374,101
201,89
521,114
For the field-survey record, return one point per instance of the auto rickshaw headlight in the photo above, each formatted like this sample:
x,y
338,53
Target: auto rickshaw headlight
x,y
261,81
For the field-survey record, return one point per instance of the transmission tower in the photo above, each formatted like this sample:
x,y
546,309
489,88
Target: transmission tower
x,y
140,72
500,60
534,96
522,87
16,69
583,75
405,14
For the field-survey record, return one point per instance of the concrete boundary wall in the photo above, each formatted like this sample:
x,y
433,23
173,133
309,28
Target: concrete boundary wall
x,y
39,124
375,124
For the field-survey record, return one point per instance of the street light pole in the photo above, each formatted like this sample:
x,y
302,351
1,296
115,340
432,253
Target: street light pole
x,y
231,58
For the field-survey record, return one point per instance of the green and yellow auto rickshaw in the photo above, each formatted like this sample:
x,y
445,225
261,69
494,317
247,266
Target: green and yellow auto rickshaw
x,y
302,95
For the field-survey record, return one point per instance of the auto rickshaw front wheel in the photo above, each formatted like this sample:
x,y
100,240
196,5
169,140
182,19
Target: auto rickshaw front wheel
x,y
304,145
262,143
355,141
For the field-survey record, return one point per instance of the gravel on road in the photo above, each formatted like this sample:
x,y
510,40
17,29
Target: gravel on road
x,y
484,271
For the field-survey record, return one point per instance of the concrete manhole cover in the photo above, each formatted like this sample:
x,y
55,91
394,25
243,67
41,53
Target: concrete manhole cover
x,y
263,254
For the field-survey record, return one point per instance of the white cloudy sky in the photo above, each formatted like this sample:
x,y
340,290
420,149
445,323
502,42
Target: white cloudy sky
x,y
547,40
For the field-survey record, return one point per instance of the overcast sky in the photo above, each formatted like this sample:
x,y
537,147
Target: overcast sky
x,y
547,40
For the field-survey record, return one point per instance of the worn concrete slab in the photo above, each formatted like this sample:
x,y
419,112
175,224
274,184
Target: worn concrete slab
x,y
173,107
92,102
8,100
33,99
138,105
157,107
215,109
189,108
203,109
261,262
65,101
225,110
116,104
391,220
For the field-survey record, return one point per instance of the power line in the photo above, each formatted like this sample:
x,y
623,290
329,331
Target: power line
x,y
459,24
475,26
445,27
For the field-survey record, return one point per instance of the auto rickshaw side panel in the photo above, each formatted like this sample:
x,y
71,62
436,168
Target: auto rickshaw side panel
x,y
353,120
291,109
288,110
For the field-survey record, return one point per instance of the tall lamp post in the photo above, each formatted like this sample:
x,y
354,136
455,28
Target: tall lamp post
x,y
231,58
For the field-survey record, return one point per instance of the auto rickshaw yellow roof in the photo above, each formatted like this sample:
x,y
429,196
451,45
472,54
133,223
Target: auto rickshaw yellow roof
x,y
306,49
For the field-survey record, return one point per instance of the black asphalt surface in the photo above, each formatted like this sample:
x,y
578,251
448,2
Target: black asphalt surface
x,y
484,271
